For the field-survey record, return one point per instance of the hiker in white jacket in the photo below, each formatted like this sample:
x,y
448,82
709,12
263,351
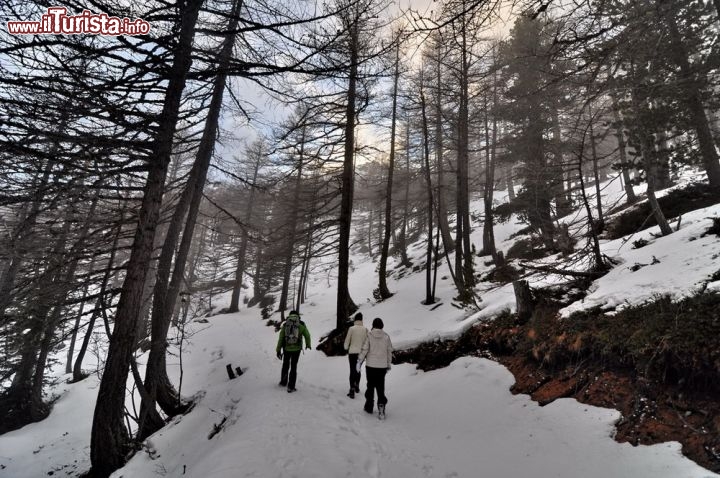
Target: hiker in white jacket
x,y
354,341
377,350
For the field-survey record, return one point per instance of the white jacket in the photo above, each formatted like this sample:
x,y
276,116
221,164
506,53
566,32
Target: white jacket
x,y
355,337
377,350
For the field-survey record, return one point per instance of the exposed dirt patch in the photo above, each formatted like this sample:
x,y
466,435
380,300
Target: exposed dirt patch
x,y
651,412
592,362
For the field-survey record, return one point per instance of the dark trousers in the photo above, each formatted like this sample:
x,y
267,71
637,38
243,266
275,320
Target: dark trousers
x,y
290,360
375,380
354,374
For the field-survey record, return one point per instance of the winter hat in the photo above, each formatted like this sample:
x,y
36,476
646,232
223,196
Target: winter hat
x,y
358,316
378,323
293,312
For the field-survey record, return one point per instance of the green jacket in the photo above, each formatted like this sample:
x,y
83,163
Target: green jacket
x,y
304,333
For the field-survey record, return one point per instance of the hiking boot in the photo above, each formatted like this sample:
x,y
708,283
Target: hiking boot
x,y
381,411
351,393
282,384
368,407
292,389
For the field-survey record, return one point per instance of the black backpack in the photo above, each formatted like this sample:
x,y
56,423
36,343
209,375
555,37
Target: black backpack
x,y
292,332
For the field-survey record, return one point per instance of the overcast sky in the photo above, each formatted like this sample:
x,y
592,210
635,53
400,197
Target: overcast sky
x,y
268,112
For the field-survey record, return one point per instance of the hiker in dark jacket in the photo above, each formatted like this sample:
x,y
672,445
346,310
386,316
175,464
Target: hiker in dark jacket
x,y
377,350
289,345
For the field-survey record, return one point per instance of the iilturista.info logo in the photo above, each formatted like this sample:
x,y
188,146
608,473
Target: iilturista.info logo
x,y
56,21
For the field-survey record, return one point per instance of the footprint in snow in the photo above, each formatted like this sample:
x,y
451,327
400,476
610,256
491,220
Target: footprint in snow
x,y
216,355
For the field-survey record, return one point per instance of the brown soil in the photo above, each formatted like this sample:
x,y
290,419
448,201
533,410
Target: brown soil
x,y
652,412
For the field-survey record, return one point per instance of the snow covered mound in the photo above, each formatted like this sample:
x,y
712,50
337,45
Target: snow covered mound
x,y
679,265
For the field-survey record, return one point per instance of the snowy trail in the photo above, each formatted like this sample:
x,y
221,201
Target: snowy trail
x,y
307,433
457,422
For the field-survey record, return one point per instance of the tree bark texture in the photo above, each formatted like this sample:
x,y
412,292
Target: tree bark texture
x,y
429,296
344,303
630,197
109,443
523,300
292,230
384,251
157,383
693,99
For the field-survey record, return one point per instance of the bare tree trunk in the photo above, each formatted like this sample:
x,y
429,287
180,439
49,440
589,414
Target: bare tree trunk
x,y
307,254
567,177
402,239
439,153
429,296
630,197
379,227
598,191
303,273
382,272
711,162
538,186
650,171
240,269
524,303
292,226
509,183
662,162
345,306
157,383
371,223
592,228
647,151
197,256
143,328
110,441
257,286
490,148
463,256
77,367
62,284
436,253
78,320
563,207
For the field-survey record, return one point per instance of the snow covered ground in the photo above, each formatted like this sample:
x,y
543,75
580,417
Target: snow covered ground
x,y
456,422
679,264
460,421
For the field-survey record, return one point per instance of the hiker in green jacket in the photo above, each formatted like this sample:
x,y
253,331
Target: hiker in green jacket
x,y
289,345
